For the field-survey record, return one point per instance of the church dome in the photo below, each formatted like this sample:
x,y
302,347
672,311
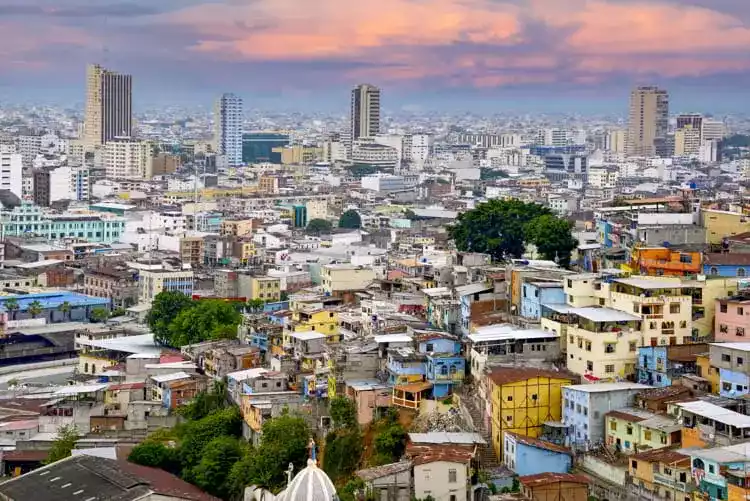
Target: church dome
x,y
310,484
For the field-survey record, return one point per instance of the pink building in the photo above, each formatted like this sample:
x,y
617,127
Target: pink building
x,y
371,399
732,321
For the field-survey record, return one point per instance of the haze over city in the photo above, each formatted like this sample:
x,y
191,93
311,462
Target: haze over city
x,y
535,55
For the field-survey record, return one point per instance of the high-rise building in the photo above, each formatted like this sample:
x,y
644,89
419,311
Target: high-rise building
x,y
687,140
365,111
713,129
695,120
615,141
109,106
228,118
648,122
124,158
11,170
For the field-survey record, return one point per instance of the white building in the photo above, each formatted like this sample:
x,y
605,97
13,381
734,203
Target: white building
x,y
554,137
713,129
11,170
367,151
603,177
709,151
388,182
416,149
228,117
126,158
615,141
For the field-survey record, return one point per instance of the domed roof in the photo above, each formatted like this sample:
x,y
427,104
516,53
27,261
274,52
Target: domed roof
x,y
310,484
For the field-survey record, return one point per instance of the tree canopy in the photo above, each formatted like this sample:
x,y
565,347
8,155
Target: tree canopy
x,y
350,219
177,320
319,226
502,228
165,308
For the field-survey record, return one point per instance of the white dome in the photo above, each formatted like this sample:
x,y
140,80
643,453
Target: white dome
x,y
310,484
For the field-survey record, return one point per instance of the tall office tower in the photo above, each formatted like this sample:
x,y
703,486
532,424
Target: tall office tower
x,y
365,112
228,118
648,123
109,106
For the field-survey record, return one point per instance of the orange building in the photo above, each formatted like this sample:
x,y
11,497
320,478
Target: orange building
x,y
665,261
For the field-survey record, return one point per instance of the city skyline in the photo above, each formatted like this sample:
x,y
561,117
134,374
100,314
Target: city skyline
x,y
513,52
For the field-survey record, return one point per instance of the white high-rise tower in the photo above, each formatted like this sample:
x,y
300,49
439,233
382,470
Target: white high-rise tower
x,y
228,117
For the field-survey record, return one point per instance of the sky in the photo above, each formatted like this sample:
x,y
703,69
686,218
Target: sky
x,y
535,55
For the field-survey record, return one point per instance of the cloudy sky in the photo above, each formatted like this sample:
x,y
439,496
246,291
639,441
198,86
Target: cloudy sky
x,y
540,54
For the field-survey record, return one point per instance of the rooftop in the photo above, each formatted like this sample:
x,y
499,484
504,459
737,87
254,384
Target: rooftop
x,y
716,413
500,332
603,314
541,479
506,375
733,346
652,283
602,387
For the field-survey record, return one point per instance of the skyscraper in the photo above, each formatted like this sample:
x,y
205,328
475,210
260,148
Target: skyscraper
x,y
228,128
109,106
648,122
365,111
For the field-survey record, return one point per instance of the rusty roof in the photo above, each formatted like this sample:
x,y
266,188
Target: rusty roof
x,y
664,392
507,375
414,387
540,444
625,416
384,470
668,456
429,453
551,478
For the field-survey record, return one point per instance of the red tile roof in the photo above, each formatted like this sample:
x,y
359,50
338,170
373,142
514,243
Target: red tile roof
x,y
164,483
551,478
127,386
25,456
429,453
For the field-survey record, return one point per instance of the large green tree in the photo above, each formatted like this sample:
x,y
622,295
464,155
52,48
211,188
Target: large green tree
x,y
164,309
350,219
208,319
217,459
318,226
195,435
155,454
496,227
343,412
552,238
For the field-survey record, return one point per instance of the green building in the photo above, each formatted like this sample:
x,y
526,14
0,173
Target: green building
x,y
258,146
28,219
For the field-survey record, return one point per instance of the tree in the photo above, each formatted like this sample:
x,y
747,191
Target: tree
x,y
284,296
217,460
255,305
154,454
99,315
552,238
319,226
343,412
205,402
209,319
35,308
195,435
343,453
62,447
65,308
11,305
390,444
350,219
164,309
119,312
495,227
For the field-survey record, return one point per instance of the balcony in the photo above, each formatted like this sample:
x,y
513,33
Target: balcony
x,y
455,377
670,482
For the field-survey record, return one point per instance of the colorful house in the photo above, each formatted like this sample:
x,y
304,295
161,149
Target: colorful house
x,y
664,261
707,425
726,265
522,400
535,293
662,474
721,472
733,319
661,365
631,430
445,367
530,456
708,372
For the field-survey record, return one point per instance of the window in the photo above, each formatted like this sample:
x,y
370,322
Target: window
x,y
635,308
686,258
533,396
629,430
429,347
726,386
740,361
740,331
510,398
601,301
610,347
452,476
509,418
613,425
740,310
588,345
711,468
740,272
674,308
570,283
647,435
589,365
714,271
723,328
725,358
723,308
633,346
609,369
634,464
578,408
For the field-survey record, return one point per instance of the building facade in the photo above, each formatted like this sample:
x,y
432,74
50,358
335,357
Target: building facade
x,y
228,120
109,106
648,122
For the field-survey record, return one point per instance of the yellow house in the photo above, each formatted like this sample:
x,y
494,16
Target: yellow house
x,y
720,224
522,400
266,288
245,251
708,371
92,364
318,320
634,430
704,302
662,473
236,227
338,278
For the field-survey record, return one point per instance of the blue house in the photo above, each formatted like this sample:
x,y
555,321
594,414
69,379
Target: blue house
x,y
404,365
726,265
529,456
660,365
468,294
445,367
535,293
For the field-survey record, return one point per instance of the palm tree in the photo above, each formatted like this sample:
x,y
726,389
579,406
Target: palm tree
x,y
65,308
11,305
35,308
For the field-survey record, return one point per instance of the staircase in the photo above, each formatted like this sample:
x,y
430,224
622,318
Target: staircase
x,y
487,457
